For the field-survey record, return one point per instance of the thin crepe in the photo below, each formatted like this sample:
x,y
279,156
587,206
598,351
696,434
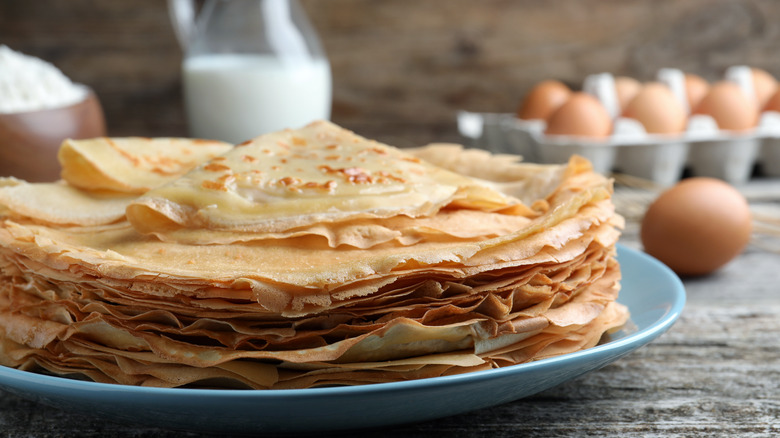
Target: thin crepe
x,y
132,164
318,174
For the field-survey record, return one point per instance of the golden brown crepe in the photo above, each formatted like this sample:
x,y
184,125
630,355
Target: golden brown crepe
x,y
132,164
318,174
472,263
61,204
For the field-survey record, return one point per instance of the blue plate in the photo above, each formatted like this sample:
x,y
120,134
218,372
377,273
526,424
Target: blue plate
x,y
654,295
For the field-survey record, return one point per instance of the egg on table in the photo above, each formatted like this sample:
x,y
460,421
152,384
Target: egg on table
x,y
582,115
543,99
657,108
697,226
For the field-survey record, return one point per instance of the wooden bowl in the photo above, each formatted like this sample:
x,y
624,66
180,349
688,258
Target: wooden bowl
x,y
29,141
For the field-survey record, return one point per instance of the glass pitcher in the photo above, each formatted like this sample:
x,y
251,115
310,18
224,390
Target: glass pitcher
x,y
250,67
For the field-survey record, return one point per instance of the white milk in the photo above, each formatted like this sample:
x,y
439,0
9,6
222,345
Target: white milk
x,y
235,97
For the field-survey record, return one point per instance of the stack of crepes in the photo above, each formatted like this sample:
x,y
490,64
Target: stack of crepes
x,y
301,258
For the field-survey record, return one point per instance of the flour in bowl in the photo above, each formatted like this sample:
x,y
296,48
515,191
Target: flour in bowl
x,y
28,83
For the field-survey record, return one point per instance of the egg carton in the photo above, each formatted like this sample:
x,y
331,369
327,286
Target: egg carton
x,y
703,149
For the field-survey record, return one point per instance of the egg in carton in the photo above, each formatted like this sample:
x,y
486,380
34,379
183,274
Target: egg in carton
x,y
733,131
711,130
766,89
641,141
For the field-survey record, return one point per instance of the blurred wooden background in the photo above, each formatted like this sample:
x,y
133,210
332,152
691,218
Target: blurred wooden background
x,y
403,68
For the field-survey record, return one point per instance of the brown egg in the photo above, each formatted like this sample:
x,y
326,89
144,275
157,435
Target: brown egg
x,y
764,85
697,226
773,104
582,115
657,108
696,87
543,99
626,88
729,106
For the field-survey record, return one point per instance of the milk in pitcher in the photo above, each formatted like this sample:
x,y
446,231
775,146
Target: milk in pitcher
x,y
235,97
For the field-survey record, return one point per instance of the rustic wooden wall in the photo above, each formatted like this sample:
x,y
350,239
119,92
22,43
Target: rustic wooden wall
x,y
402,68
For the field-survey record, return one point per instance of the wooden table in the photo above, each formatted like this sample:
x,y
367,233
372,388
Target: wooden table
x,y
715,373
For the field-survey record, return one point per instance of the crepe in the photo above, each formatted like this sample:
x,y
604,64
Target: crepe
x,y
132,164
473,263
60,204
318,174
